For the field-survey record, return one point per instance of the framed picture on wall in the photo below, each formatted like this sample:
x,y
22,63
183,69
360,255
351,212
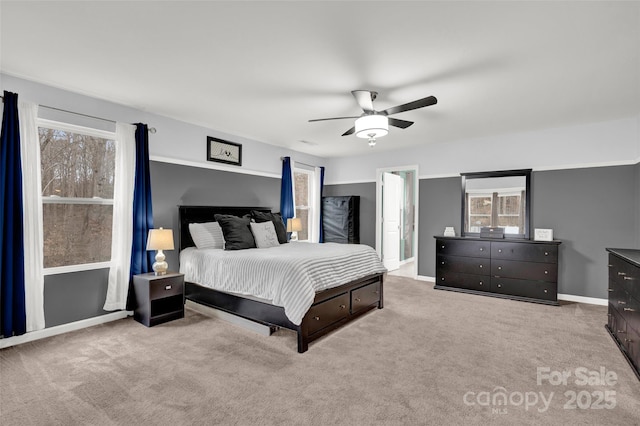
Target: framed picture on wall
x,y
224,151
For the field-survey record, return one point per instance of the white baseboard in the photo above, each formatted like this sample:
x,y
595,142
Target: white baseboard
x,y
583,299
565,297
426,278
64,328
261,329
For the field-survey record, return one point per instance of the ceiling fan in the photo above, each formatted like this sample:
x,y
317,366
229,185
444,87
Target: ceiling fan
x,y
372,124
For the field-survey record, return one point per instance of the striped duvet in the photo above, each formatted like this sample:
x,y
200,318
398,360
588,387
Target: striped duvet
x,y
288,275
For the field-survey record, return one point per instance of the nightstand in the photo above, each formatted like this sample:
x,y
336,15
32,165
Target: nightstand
x,y
159,298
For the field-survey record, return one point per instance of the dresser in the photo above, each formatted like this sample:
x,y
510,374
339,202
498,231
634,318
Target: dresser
x,y
515,269
624,303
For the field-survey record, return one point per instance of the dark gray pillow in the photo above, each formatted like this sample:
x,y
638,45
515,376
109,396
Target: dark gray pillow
x,y
236,231
278,223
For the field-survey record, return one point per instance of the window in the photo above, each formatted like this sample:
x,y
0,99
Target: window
x,y
495,209
303,185
78,174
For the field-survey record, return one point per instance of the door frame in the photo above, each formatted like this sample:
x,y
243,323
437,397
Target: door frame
x,y
379,199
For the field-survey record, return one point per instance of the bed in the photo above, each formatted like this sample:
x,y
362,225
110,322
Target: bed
x,y
330,308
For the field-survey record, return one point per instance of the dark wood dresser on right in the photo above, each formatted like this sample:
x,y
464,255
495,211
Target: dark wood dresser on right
x,y
624,303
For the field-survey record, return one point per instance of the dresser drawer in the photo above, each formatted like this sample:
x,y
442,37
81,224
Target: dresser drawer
x,y
525,288
545,253
464,265
524,270
328,312
626,274
617,324
632,346
364,297
165,287
463,248
466,281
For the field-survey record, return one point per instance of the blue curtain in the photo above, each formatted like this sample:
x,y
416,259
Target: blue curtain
x,y
287,209
141,259
320,206
12,293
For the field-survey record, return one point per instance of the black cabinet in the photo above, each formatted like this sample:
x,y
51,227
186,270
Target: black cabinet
x,y
341,219
159,298
517,269
624,303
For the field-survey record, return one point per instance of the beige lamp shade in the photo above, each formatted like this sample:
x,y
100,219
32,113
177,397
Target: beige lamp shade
x,y
160,239
294,224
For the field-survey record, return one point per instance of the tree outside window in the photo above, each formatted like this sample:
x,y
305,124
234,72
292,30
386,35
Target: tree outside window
x,y
77,195
302,186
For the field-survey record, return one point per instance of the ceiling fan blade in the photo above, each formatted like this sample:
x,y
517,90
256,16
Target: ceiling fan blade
x,y
403,124
420,103
365,99
349,132
332,118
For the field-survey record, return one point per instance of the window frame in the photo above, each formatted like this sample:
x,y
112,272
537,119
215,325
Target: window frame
x,y
86,131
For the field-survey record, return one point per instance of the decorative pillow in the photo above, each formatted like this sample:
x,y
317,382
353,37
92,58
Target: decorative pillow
x,y
207,235
264,233
236,231
278,223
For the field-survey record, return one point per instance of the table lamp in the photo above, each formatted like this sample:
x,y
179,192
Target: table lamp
x,y
294,224
160,239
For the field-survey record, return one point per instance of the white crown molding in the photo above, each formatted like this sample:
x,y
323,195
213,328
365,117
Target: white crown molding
x,y
212,166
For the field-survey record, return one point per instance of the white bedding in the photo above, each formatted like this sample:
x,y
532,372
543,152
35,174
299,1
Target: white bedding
x,y
288,275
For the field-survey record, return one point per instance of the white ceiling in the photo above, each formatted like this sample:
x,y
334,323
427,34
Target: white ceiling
x,y
262,69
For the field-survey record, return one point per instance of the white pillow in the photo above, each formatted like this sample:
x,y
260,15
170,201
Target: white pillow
x,y
207,235
264,234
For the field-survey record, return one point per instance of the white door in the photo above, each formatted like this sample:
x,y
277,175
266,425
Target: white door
x,y
392,188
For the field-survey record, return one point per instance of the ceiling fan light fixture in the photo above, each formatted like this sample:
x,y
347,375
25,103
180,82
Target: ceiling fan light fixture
x,y
372,126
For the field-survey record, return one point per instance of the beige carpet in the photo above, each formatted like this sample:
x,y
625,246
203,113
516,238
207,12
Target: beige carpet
x,y
429,357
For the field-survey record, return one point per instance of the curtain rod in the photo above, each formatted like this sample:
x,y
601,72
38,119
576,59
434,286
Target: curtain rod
x,y
151,129
300,162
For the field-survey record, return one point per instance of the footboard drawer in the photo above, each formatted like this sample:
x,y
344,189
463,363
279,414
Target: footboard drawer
x,y
364,297
326,313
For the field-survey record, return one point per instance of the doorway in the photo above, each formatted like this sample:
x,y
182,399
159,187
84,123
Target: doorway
x,y
397,219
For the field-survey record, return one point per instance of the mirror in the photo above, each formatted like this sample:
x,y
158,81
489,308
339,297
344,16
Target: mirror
x,y
496,199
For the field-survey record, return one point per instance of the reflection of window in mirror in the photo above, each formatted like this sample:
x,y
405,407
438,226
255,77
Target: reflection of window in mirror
x,y
496,199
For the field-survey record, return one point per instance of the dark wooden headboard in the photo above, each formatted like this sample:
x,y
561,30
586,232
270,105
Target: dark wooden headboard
x,y
201,214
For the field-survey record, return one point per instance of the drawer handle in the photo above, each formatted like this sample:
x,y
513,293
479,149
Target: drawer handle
x,y
611,290
499,268
480,282
442,278
441,246
628,309
546,272
480,266
621,274
316,318
621,332
481,248
499,285
546,253
167,287
627,278
499,250
610,266
620,302
546,291
357,299
628,340
443,262
343,306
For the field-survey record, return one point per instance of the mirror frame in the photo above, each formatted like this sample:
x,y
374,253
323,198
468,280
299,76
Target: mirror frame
x,y
503,173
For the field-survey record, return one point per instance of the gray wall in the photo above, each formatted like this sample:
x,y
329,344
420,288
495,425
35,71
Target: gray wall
x,y
588,209
367,193
74,296
174,185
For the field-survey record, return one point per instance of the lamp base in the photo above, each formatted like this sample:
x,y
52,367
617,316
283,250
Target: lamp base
x,y
160,266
